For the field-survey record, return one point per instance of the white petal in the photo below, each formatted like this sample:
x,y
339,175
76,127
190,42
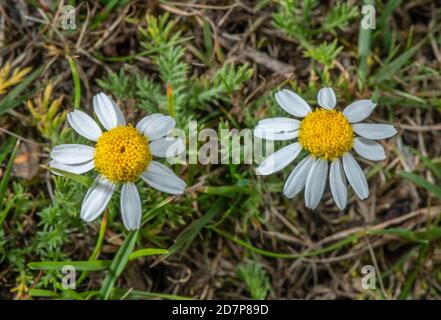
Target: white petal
x,y
73,168
297,179
84,125
107,111
292,103
275,136
374,131
156,126
279,159
97,198
163,179
359,110
326,98
315,183
72,153
167,147
131,206
277,129
355,176
147,121
337,182
369,149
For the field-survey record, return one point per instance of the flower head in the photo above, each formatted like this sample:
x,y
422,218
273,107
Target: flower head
x,y
122,154
328,135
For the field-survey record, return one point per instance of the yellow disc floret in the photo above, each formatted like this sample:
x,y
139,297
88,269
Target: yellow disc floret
x,y
122,154
326,134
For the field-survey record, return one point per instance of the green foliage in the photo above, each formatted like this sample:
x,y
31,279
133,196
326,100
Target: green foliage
x,y
56,221
255,278
297,20
163,41
118,83
221,86
339,17
294,17
325,53
225,211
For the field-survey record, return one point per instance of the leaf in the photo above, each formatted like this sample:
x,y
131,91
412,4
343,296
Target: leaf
x,y
228,191
436,169
5,180
187,236
332,247
411,278
11,101
87,181
43,293
208,41
401,232
76,81
68,293
6,148
364,48
138,295
147,252
422,183
96,265
118,264
391,69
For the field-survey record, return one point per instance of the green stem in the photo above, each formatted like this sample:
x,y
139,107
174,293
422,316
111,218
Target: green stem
x,y
118,264
99,243
76,81
170,101
271,254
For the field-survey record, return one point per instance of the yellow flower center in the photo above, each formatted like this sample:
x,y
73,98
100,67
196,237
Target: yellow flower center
x,y
122,154
326,134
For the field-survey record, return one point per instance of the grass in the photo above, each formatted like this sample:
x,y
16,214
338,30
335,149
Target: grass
x,y
232,235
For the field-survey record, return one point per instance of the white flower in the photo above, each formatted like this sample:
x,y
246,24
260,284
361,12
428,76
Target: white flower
x,y
328,135
121,155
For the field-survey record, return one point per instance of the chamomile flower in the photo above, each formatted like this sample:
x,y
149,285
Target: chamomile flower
x,y
122,154
328,135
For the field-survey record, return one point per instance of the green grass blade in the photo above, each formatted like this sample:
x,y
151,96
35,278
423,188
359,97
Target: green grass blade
x,y
6,176
76,81
364,48
96,265
147,252
138,295
391,69
41,293
6,148
187,236
435,168
118,264
85,180
332,247
400,232
422,183
227,191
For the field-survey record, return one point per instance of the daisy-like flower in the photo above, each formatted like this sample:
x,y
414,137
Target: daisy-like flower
x,y
328,135
121,155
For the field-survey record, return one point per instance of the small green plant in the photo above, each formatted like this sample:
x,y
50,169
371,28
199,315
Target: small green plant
x,y
176,92
255,278
297,20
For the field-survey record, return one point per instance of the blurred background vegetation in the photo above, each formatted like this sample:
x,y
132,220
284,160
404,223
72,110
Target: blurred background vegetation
x,y
232,235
